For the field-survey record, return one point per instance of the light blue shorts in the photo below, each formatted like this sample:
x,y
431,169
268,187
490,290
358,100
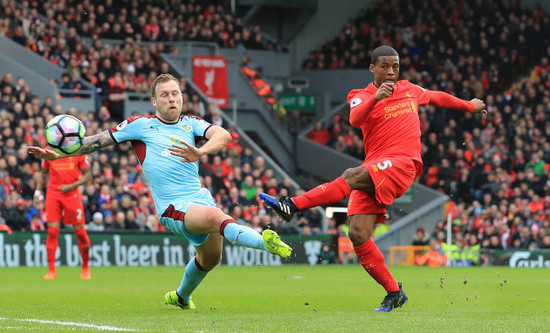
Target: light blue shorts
x,y
172,218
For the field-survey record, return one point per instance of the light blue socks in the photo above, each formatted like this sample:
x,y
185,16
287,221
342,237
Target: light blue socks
x,y
192,277
244,236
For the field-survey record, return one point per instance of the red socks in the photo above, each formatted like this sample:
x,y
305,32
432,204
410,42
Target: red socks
x,y
51,247
373,261
327,193
84,245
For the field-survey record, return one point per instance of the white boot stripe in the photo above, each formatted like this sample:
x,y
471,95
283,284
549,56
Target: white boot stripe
x,y
284,208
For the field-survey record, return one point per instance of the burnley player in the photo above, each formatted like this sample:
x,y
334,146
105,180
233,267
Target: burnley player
x,y
387,113
165,146
64,203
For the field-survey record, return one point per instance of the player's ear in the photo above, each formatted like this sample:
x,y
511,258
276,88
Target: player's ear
x,y
153,101
371,68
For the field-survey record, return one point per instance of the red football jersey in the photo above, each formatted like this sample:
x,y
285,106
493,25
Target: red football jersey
x,y
391,126
65,171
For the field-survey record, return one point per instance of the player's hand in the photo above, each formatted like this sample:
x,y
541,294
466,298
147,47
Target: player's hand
x,y
187,152
385,90
44,154
38,195
65,188
479,106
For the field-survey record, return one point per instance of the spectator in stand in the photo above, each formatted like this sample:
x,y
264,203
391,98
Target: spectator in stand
x,y
319,134
545,242
15,215
420,238
97,223
109,221
327,255
116,96
435,257
215,117
185,88
234,147
152,225
66,82
312,219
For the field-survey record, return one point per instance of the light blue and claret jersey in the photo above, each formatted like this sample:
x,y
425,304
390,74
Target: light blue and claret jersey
x,y
170,179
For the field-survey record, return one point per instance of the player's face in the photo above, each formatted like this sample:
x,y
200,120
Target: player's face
x,y
385,69
168,101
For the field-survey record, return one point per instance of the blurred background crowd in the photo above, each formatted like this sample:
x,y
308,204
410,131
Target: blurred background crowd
x,y
495,168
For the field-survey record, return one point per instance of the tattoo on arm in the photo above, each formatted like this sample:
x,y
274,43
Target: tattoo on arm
x,y
96,142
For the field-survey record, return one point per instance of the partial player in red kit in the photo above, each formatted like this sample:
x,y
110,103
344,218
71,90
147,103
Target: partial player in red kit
x,y
64,203
387,113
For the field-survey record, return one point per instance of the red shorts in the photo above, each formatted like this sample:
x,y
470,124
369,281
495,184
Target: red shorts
x,y
392,177
67,206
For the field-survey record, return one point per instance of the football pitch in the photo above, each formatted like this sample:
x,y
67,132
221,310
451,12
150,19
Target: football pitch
x,y
276,299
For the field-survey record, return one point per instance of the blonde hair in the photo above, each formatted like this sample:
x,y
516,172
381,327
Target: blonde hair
x,y
162,78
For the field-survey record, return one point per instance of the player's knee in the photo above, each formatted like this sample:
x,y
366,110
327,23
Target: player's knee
x,y
217,218
353,176
359,236
349,175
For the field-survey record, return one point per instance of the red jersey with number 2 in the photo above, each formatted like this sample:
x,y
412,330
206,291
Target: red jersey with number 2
x,y
392,126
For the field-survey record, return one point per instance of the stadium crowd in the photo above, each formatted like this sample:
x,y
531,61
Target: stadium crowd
x,y
497,168
118,197
116,45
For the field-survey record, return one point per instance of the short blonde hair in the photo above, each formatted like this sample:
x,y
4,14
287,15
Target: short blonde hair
x,y
162,78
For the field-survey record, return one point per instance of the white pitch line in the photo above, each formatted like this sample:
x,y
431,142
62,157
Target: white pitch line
x,y
71,323
19,328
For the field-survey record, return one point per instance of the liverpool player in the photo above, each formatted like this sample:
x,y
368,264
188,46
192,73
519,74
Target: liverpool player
x,y
387,113
63,203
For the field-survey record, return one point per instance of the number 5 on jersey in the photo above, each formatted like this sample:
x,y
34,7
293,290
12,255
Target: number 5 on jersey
x,y
382,165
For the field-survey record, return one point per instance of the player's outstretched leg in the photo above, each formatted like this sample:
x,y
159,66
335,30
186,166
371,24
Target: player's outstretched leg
x,y
325,194
282,206
246,236
51,248
173,298
394,299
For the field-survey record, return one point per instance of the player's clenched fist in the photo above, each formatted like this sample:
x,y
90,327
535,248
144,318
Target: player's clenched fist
x,y
385,90
479,106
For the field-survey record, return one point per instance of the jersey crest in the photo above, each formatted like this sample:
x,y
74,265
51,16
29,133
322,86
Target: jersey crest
x,y
354,102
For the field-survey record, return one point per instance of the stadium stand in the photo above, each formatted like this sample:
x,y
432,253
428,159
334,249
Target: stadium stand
x,y
73,38
497,177
503,165
108,40
118,190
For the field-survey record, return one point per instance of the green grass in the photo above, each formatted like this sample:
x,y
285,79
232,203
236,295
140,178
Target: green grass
x,y
278,299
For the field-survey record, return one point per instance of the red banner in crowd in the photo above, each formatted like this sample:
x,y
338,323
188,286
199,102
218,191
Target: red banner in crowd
x,y
210,76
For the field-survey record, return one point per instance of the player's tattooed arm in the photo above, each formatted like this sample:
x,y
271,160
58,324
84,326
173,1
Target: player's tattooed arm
x,y
89,145
96,142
